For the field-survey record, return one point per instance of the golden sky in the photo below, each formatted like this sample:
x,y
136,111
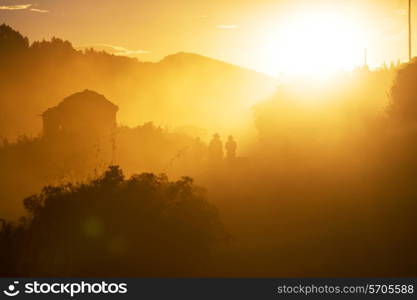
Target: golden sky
x,y
271,36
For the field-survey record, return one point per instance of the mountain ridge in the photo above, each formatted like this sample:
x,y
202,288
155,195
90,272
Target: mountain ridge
x,y
176,91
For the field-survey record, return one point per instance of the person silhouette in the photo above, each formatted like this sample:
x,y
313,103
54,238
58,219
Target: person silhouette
x,y
231,149
215,149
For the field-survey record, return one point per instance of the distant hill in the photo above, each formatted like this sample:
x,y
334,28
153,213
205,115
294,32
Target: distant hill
x,y
182,89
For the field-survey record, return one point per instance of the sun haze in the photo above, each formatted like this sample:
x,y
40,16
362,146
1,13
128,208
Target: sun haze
x,y
178,138
273,37
315,43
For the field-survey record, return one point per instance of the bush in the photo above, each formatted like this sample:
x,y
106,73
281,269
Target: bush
x,y
112,226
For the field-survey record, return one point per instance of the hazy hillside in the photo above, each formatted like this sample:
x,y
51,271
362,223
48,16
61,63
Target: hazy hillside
x,y
177,91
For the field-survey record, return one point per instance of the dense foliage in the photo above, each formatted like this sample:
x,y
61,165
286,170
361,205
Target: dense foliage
x,y
142,226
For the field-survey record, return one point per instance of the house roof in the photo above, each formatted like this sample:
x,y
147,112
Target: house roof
x,y
81,100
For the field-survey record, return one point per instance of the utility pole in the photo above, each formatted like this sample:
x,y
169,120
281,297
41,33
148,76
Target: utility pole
x,y
409,30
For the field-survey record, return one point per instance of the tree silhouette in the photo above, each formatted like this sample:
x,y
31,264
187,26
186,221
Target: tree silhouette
x,y
142,226
403,106
11,41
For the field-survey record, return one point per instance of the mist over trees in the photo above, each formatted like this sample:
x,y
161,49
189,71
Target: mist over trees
x,y
326,188
34,76
28,164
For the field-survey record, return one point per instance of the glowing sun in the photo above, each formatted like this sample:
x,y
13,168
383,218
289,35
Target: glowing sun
x,y
315,43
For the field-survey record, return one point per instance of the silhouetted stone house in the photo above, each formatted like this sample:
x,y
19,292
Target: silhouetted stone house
x,y
84,114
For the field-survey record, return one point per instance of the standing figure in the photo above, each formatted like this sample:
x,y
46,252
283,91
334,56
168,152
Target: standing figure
x,y
231,149
215,154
